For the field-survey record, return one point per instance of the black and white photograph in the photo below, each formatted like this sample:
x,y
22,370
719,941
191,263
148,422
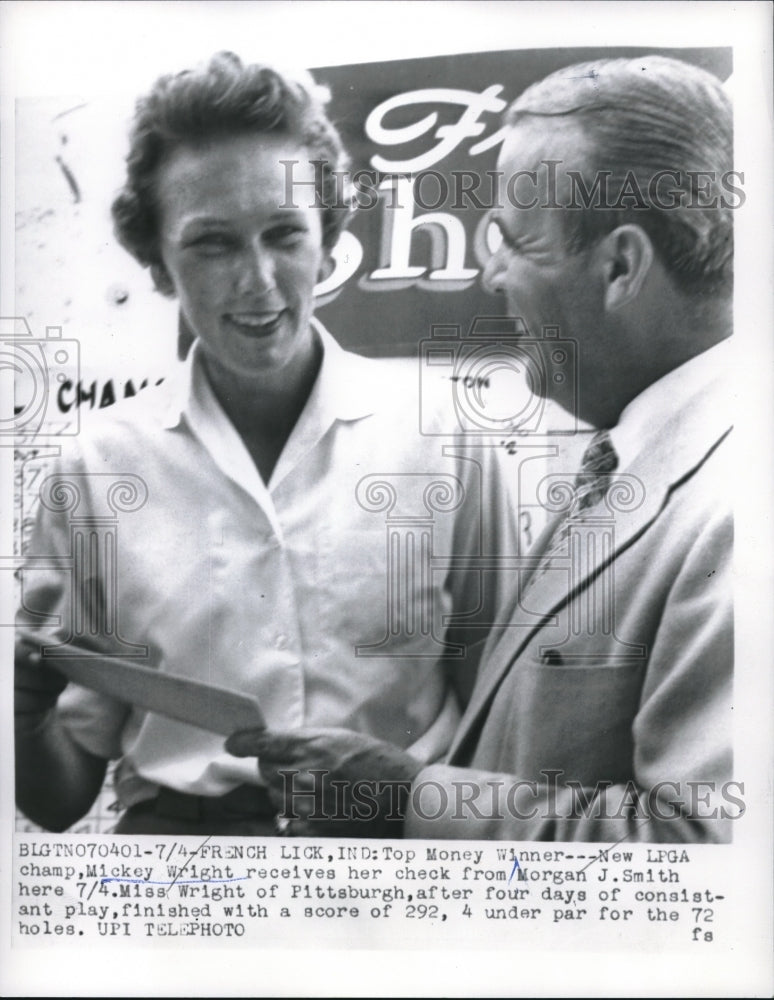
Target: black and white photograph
x,y
390,477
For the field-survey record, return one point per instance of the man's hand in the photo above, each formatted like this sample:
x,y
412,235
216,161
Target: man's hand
x,y
36,686
332,782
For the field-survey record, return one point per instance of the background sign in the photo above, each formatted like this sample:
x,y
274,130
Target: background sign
x,y
410,126
411,257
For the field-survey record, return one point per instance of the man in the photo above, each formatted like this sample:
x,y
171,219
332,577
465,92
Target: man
x,y
602,708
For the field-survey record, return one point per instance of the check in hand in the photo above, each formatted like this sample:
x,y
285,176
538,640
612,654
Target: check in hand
x,y
331,782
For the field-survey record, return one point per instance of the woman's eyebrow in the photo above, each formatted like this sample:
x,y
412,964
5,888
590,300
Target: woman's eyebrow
x,y
197,224
284,212
201,220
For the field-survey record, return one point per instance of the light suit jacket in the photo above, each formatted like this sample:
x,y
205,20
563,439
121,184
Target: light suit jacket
x,y
602,709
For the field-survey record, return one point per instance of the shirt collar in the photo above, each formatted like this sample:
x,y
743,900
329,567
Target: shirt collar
x,y
347,386
647,415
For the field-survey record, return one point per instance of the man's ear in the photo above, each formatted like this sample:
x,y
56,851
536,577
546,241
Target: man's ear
x,y
326,268
627,257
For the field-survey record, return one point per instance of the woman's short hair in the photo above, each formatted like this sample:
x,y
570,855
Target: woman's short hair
x,y
640,120
222,98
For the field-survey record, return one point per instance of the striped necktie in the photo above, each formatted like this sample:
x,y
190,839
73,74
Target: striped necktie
x,y
590,485
599,460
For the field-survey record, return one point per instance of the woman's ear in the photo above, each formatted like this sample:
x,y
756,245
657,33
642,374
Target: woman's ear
x,y
627,256
326,268
162,280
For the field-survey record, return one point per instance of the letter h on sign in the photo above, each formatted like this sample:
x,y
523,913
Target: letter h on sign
x,y
93,502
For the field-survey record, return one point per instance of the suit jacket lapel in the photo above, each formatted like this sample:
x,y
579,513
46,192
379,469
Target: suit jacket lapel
x,y
693,432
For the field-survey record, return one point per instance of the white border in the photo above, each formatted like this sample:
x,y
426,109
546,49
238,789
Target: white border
x,y
120,48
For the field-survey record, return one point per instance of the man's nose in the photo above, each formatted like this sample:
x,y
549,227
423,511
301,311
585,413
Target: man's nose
x,y
492,276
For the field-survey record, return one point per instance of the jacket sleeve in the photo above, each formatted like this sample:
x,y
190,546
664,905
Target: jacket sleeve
x,y
681,789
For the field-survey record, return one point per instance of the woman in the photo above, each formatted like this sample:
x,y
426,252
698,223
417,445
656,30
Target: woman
x,y
257,561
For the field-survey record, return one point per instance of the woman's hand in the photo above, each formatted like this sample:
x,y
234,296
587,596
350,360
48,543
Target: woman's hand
x,y
36,686
332,782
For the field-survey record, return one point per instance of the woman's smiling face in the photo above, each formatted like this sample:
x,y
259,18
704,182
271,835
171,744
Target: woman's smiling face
x,y
243,250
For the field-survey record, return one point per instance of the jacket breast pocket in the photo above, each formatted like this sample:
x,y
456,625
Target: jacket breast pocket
x,y
577,719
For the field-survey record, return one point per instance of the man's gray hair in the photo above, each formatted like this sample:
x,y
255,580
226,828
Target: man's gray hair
x,y
645,119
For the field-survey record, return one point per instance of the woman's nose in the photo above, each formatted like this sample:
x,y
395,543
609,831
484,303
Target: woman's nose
x,y
256,272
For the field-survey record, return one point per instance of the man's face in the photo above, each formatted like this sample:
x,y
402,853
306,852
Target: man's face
x,y
543,284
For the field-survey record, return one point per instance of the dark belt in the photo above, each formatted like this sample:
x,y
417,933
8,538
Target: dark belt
x,y
246,811
242,802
